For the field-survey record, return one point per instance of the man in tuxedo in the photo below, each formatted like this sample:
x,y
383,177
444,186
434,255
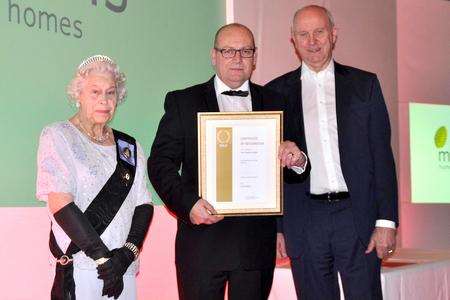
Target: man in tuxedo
x,y
211,250
342,214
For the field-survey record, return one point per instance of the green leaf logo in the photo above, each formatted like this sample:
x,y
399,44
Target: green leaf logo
x,y
440,137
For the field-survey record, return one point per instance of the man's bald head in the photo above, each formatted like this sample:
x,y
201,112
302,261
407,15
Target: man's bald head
x,y
318,8
233,26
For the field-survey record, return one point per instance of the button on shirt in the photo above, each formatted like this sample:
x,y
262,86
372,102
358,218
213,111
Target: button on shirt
x,y
319,110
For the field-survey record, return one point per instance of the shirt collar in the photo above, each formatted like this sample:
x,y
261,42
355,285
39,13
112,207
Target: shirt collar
x,y
220,86
307,72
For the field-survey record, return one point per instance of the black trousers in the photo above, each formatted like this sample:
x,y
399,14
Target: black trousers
x,y
210,285
332,245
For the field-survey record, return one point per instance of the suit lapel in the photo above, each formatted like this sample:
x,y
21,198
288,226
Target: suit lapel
x,y
296,104
256,97
295,99
343,96
210,96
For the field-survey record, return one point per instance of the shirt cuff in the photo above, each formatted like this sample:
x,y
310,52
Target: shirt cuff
x,y
385,223
300,170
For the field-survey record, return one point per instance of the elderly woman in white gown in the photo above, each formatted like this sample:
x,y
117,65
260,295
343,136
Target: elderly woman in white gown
x,y
93,180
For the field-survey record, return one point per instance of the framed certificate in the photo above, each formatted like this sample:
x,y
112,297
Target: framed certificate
x,y
238,167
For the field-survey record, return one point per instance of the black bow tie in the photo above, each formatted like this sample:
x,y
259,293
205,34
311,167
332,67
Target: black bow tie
x,y
236,93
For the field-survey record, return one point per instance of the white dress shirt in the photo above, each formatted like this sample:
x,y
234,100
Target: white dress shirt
x,y
319,115
232,103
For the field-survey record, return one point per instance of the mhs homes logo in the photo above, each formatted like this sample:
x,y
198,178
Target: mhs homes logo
x,y
20,12
440,141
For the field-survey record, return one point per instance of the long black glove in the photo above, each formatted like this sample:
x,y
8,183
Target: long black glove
x,y
113,270
80,231
142,217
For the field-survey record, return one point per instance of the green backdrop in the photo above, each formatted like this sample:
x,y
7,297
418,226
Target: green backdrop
x,y
429,126
161,45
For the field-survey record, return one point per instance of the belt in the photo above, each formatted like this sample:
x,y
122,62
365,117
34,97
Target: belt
x,y
331,197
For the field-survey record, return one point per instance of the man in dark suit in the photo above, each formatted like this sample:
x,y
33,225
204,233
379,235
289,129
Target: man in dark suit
x,y
342,215
212,250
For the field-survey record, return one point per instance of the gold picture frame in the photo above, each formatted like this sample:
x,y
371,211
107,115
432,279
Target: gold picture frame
x,y
239,172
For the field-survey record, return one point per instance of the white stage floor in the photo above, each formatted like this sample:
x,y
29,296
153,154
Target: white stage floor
x,y
410,274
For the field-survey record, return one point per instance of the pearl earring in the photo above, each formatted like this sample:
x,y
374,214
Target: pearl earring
x,y
77,104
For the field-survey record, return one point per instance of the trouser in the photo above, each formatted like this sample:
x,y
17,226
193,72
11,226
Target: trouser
x,y
332,245
210,285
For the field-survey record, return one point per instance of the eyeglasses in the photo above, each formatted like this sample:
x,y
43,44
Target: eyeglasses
x,y
231,52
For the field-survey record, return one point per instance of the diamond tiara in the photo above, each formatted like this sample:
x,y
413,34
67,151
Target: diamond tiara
x,y
94,59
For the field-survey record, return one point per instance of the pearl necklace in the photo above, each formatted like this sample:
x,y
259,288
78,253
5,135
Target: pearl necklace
x,y
101,139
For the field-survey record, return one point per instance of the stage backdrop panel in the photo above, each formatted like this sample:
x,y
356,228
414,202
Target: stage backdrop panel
x,y
161,45
430,153
423,77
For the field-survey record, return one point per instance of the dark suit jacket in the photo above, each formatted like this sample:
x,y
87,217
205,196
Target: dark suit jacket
x,y
235,241
364,146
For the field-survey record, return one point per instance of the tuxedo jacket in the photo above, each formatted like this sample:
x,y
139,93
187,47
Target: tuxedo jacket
x,y
247,242
365,153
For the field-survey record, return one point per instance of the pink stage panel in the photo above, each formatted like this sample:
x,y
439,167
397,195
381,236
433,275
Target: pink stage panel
x,y
26,272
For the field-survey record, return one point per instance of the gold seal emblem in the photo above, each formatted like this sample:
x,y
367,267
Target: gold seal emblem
x,y
223,136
